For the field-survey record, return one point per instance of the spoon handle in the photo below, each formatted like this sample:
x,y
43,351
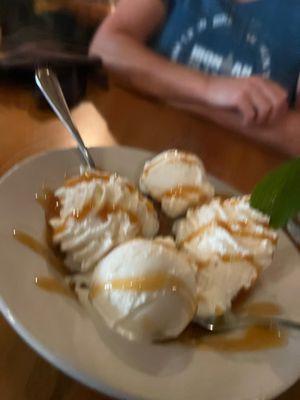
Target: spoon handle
x,y
49,85
232,322
243,322
287,323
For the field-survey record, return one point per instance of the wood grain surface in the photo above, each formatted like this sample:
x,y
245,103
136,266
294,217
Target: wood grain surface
x,y
133,121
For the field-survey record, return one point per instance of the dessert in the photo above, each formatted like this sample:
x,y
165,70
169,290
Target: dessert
x,y
97,211
145,289
177,180
231,244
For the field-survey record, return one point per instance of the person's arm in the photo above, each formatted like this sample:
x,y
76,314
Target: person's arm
x,y
283,134
120,41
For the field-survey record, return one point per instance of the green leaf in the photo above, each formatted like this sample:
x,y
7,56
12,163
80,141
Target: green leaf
x,y
278,194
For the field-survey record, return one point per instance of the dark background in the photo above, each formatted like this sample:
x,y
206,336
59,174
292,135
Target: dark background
x,y
53,33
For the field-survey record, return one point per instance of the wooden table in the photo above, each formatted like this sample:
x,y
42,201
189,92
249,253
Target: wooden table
x,y
132,121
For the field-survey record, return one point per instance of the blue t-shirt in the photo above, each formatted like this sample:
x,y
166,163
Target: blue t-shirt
x,y
225,37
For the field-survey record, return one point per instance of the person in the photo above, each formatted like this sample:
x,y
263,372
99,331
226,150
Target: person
x,y
235,62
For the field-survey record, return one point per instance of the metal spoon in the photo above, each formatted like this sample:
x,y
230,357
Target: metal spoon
x,y
230,322
49,85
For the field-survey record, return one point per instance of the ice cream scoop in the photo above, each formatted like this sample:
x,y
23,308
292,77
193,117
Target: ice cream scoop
x,y
176,179
231,243
145,290
97,212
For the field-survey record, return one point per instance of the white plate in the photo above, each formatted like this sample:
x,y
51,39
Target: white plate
x,y
60,331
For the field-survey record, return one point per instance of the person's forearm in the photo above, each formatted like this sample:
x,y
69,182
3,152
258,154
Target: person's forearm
x,y
141,68
284,134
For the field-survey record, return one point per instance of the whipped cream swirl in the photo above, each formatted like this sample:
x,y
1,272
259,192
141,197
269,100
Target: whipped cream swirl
x,y
231,244
97,212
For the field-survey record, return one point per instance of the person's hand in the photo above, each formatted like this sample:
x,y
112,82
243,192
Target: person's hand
x,y
259,100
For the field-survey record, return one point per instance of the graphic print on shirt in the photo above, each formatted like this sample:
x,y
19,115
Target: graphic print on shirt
x,y
191,46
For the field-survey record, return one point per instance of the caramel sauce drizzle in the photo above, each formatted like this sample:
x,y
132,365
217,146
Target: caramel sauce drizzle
x,y
112,209
87,177
40,249
223,196
49,202
187,158
194,235
103,214
239,229
160,281
80,215
131,188
184,191
260,309
51,206
231,258
253,338
149,206
52,285
59,229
